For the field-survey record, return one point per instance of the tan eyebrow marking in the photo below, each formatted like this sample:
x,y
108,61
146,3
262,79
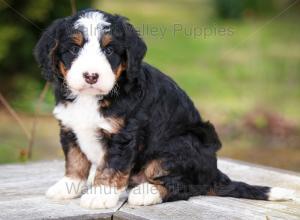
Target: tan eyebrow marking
x,y
119,70
62,69
106,39
78,38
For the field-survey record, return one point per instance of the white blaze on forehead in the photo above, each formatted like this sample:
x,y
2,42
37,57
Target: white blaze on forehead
x,y
93,24
90,58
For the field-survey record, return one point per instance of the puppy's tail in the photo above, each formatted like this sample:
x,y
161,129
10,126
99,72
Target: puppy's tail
x,y
223,186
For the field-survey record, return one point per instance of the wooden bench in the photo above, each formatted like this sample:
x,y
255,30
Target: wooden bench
x,y
22,189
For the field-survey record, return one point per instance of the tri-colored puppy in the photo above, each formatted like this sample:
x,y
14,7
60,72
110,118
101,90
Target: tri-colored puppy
x,y
129,119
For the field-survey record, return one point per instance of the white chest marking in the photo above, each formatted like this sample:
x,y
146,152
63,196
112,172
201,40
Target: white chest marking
x,y
84,118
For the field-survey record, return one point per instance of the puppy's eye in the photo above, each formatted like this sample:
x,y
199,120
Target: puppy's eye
x,y
108,50
75,49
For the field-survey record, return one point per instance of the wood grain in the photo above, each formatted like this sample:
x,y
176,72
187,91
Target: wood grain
x,y
22,189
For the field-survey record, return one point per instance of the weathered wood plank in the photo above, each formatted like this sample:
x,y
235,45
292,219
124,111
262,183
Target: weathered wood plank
x,y
260,175
174,210
41,208
22,189
203,207
211,208
249,209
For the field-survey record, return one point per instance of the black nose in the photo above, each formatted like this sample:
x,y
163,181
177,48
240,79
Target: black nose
x,y
91,78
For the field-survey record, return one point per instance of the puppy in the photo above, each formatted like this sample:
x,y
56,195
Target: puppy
x,y
130,120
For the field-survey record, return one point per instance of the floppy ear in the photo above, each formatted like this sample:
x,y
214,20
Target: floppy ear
x,y
135,50
45,50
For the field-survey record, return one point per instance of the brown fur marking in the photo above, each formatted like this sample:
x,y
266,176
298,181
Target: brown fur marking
x,y
78,39
104,103
116,123
149,174
62,69
77,164
119,70
137,179
111,177
162,191
106,39
52,54
104,133
211,192
154,170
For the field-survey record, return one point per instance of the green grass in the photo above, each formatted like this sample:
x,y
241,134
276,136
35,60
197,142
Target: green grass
x,y
13,142
229,74
226,76
257,66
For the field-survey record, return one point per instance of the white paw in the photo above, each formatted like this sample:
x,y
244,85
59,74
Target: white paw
x,y
144,194
281,194
100,197
66,188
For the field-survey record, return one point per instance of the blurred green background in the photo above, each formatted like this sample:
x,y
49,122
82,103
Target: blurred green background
x,y
239,60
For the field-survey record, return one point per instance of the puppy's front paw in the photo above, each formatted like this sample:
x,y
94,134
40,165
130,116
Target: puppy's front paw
x,y
144,194
100,197
66,188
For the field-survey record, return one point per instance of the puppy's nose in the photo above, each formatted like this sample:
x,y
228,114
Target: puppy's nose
x,y
91,78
